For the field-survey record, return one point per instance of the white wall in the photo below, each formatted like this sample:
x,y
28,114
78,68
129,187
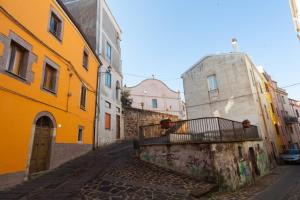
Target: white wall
x,y
168,101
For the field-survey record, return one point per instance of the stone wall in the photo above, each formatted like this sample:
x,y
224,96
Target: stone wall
x,y
133,118
224,163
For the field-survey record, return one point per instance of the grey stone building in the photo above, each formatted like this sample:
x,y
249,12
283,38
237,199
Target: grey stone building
x,y
230,86
104,34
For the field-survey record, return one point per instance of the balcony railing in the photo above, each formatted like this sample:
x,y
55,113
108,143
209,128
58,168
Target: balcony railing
x,y
202,130
291,120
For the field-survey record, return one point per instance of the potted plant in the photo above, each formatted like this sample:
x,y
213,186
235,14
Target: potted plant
x,y
165,123
246,123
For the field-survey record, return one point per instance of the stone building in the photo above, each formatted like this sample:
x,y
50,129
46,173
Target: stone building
x,y
155,95
104,33
293,123
229,85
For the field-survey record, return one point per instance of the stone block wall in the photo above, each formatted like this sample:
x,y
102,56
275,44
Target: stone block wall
x,y
229,164
133,118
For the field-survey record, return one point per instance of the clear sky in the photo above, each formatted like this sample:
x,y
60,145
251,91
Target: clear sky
x,y
165,37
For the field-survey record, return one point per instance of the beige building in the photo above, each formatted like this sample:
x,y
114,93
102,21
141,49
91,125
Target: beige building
x,y
104,34
155,95
295,10
230,85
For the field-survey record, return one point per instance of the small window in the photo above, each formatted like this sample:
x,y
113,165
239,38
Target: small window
x,y
17,62
297,113
283,101
50,78
118,110
266,111
108,79
277,129
108,52
85,60
107,104
83,97
80,135
154,103
291,130
212,82
272,107
107,121
240,152
55,26
266,87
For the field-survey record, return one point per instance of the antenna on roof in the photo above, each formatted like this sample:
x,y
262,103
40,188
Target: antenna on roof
x,y
235,45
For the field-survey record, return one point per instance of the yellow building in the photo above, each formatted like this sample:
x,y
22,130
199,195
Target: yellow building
x,y
48,81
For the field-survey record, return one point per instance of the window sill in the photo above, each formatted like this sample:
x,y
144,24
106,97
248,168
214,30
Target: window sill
x,y
83,108
49,91
15,76
85,67
59,38
79,142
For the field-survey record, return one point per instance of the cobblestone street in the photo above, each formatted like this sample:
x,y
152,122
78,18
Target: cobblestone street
x,y
110,173
114,173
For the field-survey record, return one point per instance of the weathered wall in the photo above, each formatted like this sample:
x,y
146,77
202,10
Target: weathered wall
x,y
133,118
218,161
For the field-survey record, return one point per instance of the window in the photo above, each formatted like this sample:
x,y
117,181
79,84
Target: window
x,y
107,104
154,103
291,130
297,113
108,79
85,60
108,52
277,129
267,87
283,101
212,82
240,152
80,134
107,121
17,61
83,97
55,26
50,78
272,107
118,110
266,111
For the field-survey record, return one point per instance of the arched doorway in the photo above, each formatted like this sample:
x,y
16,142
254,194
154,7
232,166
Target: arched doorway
x,y
40,154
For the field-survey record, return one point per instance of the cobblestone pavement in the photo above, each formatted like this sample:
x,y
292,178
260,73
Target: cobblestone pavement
x,y
110,173
135,179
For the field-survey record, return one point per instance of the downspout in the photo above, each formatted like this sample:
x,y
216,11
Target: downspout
x,y
97,111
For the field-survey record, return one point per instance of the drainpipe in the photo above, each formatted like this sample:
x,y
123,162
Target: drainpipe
x,y
97,110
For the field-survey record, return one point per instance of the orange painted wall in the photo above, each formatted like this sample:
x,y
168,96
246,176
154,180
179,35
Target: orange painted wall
x,y
21,102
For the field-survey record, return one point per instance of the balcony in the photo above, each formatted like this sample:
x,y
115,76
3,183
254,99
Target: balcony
x,y
202,130
291,120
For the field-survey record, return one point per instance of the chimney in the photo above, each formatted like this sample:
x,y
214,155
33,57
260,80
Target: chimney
x,y
235,45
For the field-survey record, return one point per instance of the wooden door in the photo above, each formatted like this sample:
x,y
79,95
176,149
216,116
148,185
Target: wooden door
x,y
41,148
118,128
253,161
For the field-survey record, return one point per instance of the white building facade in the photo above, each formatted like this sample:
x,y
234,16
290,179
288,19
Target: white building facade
x,y
155,95
104,34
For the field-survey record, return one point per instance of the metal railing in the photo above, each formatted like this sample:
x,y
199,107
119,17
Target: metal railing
x,y
206,130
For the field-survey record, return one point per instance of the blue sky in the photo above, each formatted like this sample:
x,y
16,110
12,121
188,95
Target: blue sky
x,y
165,37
